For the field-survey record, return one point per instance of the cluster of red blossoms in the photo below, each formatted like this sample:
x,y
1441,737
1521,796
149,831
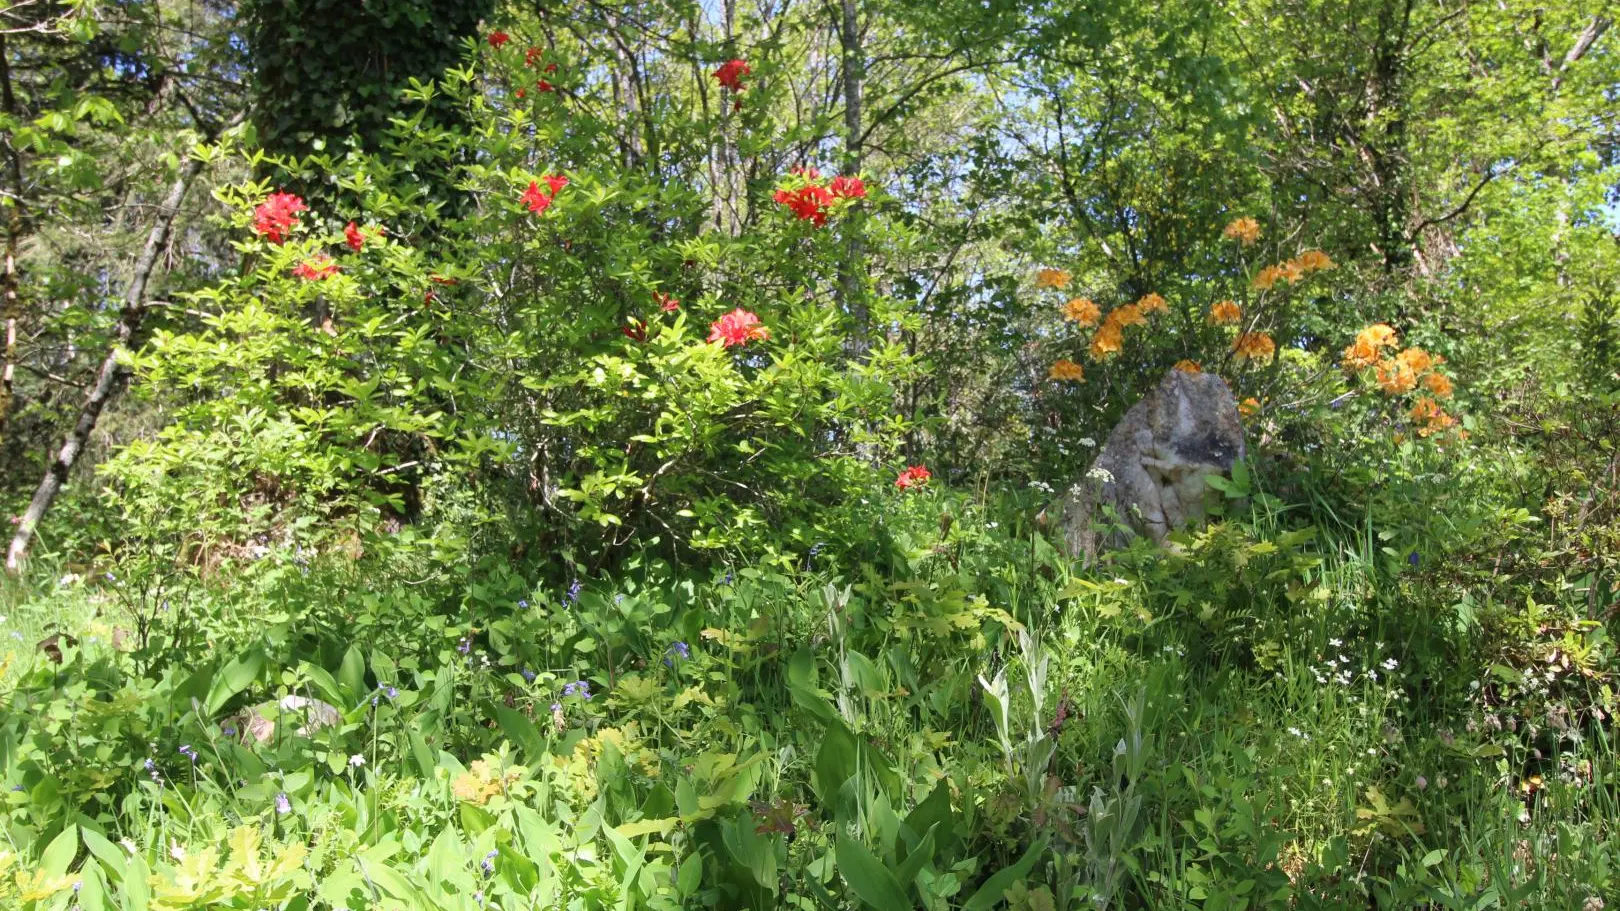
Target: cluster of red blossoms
x,y
730,74
914,476
277,216
739,327
539,200
318,268
813,202
498,38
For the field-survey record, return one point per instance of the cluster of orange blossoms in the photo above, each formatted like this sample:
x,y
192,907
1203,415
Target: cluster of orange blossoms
x,y
1225,313
1253,346
1243,230
1109,339
1081,310
1067,371
1186,366
1402,372
1053,278
1294,270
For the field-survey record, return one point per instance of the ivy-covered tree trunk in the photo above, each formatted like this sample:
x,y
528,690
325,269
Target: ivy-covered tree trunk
x,y
329,72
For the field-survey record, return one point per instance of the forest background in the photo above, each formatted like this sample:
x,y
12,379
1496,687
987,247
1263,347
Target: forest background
x,y
591,454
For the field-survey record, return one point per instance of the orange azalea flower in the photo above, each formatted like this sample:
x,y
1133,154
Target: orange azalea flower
x,y
1108,342
1315,261
1225,313
1249,407
1243,230
1068,371
1438,384
1395,378
1189,366
1268,277
1128,315
1428,413
1416,359
1152,303
1292,271
1254,346
1365,351
1081,310
1052,278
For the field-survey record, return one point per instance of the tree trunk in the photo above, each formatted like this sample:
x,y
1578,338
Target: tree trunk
x,y
106,383
10,300
851,267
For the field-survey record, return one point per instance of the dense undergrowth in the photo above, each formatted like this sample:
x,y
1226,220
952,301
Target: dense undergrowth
x,y
1300,707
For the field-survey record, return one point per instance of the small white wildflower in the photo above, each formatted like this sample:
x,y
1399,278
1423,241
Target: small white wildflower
x,y
1334,643
356,761
1327,782
1101,475
1371,752
1088,442
992,525
1391,664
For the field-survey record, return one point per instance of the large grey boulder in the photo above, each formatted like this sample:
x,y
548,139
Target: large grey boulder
x,y
1155,467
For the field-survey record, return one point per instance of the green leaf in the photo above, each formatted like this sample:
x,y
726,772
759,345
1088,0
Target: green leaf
x,y
920,855
989,894
836,762
868,877
352,674
60,852
234,678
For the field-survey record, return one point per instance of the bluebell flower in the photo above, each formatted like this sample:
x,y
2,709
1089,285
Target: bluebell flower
x,y
465,645
1413,558
573,592
188,752
581,688
488,864
229,730
680,651
727,579
618,599
16,787
283,805
528,675
523,603
391,692
556,707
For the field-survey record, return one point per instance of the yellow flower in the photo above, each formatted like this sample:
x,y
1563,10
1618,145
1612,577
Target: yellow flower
x,y
1189,366
1128,315
1243,230
1152,303
1108,342
1052,278
1438,384
1365,350
1225,313
1254,346
1081,310
1395,378
1067,370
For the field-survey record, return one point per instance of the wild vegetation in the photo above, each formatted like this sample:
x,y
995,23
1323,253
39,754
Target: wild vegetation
x,y
606,455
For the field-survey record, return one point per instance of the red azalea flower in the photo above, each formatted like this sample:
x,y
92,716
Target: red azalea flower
x,y
666,304
915,476
739,327
544,86
550,68
635,330
539,200
730,74
498,38
808,203
808,172
316,269
438,279
531,55
352,235
848,188
277,216
521,93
